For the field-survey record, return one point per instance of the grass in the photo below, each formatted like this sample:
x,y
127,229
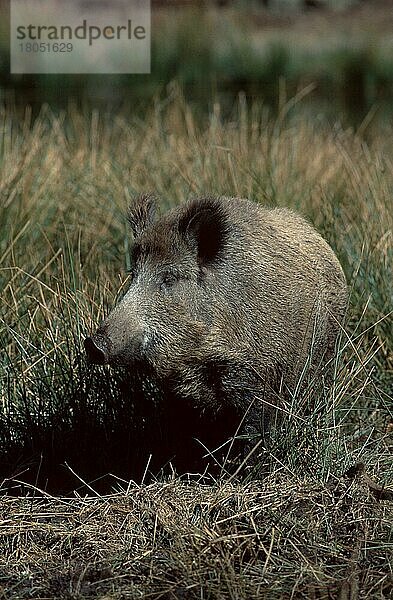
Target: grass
x,y
306,529
278,539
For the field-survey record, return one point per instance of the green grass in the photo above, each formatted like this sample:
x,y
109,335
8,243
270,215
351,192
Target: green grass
x,y
65,182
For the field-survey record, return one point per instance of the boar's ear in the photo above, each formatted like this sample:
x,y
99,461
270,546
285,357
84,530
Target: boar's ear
x,y
205,227
141,213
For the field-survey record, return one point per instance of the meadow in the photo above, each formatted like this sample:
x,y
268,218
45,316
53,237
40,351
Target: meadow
x,y
86,510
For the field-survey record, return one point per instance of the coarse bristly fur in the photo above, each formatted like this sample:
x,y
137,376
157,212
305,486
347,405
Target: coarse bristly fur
x,y
230,303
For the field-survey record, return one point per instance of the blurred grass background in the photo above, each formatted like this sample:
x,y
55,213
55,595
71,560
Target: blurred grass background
x,y
341,48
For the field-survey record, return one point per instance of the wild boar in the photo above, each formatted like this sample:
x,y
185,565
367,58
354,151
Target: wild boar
x,y
229,304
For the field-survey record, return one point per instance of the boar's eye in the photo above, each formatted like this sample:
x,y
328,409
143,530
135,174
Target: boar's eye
x,y
131,274
168,281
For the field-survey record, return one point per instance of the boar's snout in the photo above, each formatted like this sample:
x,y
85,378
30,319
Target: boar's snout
x,y
97,349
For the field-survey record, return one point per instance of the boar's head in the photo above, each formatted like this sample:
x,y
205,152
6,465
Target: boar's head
x,y
167,312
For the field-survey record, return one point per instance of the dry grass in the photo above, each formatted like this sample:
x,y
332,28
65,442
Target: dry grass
x,y
304,531
281,538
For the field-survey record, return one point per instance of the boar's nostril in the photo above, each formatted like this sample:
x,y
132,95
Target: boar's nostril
x,y
97,350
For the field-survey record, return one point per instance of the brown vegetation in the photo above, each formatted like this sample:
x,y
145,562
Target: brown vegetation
x,y
282,538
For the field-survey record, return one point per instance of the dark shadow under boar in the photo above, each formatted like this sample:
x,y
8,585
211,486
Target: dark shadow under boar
x,y
229,305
